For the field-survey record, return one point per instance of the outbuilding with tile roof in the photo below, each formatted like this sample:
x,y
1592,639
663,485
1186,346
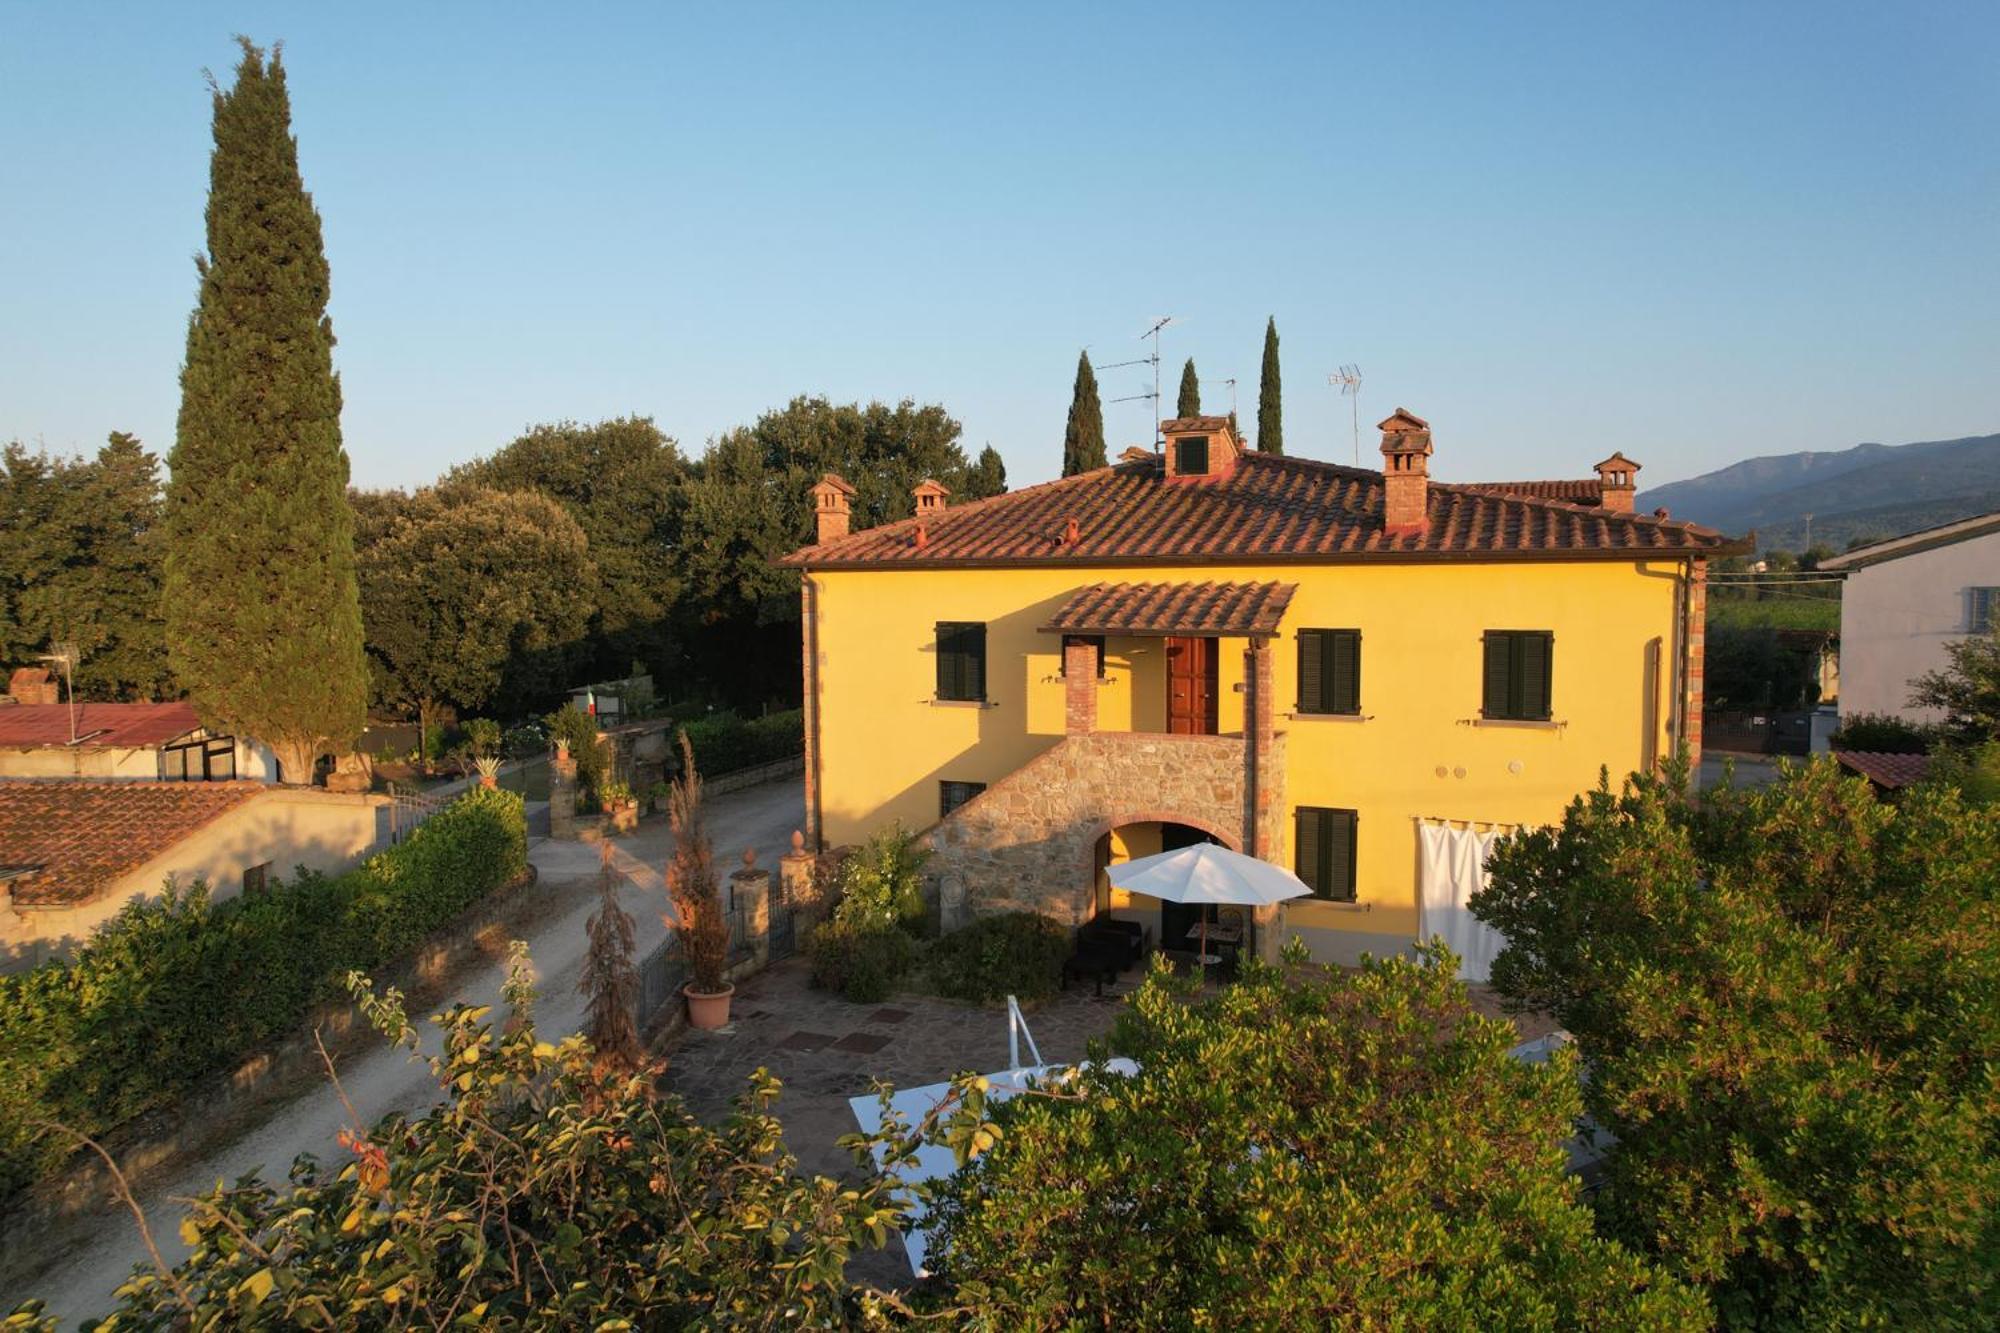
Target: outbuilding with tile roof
x,y
73,853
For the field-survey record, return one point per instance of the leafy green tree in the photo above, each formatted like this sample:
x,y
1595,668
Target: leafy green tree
x,y
621,480
1788,999
81,565
987,477
1966,688
262,611
748,502
544,1190
475,598
1083,433
1309,1149
1190,399
1270,395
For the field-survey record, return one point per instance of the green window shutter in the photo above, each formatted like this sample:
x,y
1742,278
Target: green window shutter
x,y
1323,852
1329,671
1340,859
1309,850
1496,700
1312,667
961,660
1536,653
975,661
1343,688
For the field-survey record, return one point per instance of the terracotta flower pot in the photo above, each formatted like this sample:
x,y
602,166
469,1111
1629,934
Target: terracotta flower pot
x,y
708,1010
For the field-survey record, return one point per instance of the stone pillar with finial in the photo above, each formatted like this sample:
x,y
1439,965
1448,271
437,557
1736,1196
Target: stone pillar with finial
x,y
797,876
562,793
750,899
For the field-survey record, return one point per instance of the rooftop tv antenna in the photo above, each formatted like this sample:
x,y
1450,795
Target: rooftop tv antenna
x,y
1154,334
64,655
1154,362
1348,380
1231,382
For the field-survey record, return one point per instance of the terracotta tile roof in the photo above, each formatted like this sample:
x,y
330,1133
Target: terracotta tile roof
x,y
31,726
1588,491
1202,609
1270,508
1886,770
79,836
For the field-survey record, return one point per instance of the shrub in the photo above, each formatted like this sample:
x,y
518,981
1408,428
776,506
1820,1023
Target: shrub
x,y
542,1190
1306,1150
724,742
571,726
861,961
1973,769
1882,733
881,882
1789,1001
1016,953
527,741
482,736
176,988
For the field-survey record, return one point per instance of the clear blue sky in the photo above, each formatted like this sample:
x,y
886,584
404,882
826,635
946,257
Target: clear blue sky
x,y
1691,233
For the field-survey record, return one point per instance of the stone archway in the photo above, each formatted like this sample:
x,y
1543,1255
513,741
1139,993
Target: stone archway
x,y
1028,841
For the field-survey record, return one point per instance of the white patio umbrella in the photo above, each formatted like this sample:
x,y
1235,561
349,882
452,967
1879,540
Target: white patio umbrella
x,y
1208,874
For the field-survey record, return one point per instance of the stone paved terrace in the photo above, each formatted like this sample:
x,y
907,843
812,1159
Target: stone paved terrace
x,y
825,1050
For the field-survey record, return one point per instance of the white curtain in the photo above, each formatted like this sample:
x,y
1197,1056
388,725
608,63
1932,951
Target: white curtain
x,y
1454,868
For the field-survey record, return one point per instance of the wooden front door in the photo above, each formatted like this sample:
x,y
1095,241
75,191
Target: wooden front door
x,y
1191,691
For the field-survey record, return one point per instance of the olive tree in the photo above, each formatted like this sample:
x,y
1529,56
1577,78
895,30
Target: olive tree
x,y
1788,1000
1309,1149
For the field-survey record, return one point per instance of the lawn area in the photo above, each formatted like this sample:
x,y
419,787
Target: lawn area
x,y
1775,613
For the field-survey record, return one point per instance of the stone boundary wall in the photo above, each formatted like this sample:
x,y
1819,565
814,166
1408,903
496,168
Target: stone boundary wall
x,y
775,771
46,1220
1027,843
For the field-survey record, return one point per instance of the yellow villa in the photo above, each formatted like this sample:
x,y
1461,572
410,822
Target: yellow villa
x,y
1311,663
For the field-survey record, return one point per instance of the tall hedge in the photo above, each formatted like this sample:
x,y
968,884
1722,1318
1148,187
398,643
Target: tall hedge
x,y
724,742
177,988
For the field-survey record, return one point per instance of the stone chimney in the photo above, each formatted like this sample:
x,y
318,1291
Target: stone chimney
x,y
930,495
831,508
1616,476
1406,471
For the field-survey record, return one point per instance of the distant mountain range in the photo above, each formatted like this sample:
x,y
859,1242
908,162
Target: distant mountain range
x,y
1869,492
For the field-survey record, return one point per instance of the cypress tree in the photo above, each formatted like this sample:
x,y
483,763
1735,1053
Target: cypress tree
x,y
1270,413
1083,437
1190,403
259,595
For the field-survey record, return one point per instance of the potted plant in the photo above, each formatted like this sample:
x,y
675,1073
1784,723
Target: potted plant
x,y
621,806
489,770
697,901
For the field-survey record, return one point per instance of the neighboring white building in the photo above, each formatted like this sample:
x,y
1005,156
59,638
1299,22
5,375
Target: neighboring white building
x,y
1904,600
158,742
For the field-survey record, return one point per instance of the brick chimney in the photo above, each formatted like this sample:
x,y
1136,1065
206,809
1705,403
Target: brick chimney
x,y
831,507
1406,471
1616,476
931,495
33,685
1200,448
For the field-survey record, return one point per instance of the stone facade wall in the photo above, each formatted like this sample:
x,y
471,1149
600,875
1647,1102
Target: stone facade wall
x,y
1027,843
